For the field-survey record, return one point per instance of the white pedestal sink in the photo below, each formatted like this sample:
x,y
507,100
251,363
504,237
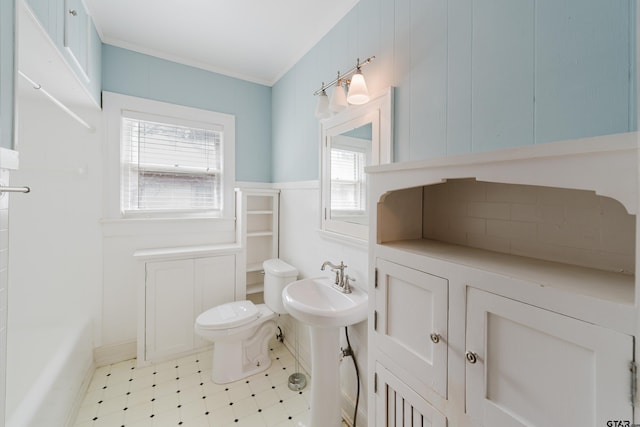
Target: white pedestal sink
x,y
325,309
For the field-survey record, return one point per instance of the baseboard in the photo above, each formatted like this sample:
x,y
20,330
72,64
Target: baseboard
x,y
114,353
82,391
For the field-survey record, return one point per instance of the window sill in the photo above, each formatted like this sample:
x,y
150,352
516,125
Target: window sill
x,y
344,239
139,219
186,252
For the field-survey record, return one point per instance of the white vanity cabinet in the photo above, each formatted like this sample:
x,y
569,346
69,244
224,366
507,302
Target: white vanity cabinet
x,y
176,291
509,298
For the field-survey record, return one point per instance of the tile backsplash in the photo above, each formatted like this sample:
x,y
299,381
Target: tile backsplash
x,y
556,224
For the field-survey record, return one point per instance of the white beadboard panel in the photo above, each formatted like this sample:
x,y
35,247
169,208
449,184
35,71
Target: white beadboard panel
x,y
122,271
470,76
402,79
459,42
590,44
428,78
502,73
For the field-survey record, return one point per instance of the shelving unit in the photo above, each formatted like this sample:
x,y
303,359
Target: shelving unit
x,y
258,214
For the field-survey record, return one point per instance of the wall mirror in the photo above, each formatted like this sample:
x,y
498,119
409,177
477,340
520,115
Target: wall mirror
x,y
358,137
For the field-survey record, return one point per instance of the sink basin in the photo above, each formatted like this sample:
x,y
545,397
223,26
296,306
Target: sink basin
x,y
325,309
317,303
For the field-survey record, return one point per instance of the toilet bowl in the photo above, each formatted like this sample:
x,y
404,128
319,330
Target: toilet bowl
x,y
241,330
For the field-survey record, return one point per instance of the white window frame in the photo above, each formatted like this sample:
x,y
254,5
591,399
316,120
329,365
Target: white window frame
x,y
114,105
359,183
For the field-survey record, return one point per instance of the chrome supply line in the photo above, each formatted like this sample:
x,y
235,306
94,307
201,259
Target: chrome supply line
x,y
343,76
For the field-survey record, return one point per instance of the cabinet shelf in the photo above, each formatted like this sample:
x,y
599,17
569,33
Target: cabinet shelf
x,y
255,288
260,212
257,266
260,233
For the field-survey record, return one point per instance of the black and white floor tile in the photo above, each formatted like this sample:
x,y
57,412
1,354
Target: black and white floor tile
x,y
181,393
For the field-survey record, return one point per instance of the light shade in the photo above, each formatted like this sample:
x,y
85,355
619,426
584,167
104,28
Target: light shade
x,y
358,92
322,107
338,99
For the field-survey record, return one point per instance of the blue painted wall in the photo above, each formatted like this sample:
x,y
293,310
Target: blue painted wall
x,y
136,74
7,61
470,75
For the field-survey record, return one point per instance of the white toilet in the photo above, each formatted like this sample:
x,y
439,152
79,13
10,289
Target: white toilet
x,y
241,330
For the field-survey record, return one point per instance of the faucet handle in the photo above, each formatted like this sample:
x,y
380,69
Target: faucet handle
x,y
347,284
337,271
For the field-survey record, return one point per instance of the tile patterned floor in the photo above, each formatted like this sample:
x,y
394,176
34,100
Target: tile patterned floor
x,y
180,393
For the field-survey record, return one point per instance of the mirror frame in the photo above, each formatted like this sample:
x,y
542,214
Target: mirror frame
x,y
379,112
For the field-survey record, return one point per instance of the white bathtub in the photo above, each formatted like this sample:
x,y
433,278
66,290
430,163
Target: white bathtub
x,y
47,369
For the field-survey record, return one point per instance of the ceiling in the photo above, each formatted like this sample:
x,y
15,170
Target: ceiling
x,y
255,40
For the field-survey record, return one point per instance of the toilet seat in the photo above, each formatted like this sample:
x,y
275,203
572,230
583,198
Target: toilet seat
x,y
229,315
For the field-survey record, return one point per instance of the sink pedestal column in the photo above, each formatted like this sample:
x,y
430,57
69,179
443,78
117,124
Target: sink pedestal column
x,y
325,377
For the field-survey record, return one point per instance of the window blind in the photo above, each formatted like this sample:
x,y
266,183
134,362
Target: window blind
x,y
348,180
168,166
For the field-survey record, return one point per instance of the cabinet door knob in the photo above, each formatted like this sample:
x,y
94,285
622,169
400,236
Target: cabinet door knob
x,y
73,12
435,338
471,357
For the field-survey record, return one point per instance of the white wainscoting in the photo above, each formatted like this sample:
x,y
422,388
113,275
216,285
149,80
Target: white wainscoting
x,y
305,247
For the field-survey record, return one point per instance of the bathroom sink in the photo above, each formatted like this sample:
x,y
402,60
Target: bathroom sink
x,y
317,303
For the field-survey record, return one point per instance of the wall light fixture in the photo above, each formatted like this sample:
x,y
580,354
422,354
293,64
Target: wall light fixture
x,y
338,100
356,86
322,107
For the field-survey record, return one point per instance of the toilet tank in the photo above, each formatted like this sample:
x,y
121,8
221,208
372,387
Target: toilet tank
x,y
277,275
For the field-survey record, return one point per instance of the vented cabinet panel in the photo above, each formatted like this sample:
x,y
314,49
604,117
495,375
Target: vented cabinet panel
x,y
399,406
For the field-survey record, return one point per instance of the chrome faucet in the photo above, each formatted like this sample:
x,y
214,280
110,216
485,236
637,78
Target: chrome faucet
x,y
342,281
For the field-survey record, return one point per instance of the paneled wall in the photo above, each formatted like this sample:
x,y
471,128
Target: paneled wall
x,y
470,75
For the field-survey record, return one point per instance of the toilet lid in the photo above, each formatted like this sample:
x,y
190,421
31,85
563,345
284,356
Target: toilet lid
x,y
228,315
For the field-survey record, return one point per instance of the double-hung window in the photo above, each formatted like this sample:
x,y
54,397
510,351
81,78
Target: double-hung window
x,y
174,161
170,167
348,185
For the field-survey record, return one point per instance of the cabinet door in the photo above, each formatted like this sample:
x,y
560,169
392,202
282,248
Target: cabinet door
x,y
76,33
169,308
532,367
411,306
397,405
215,284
